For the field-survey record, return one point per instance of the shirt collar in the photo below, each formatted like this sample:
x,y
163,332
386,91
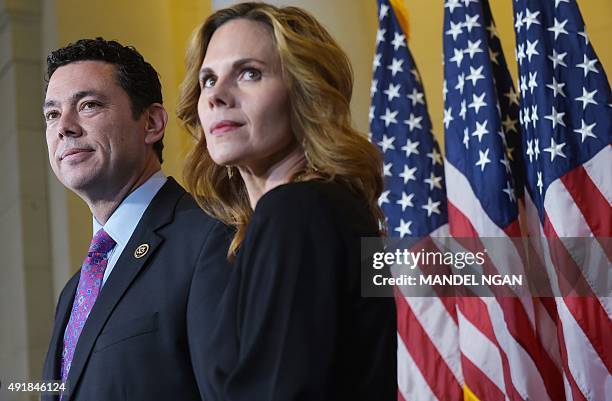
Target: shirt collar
x,y
125,218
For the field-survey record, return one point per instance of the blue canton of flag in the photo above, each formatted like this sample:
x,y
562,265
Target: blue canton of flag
x,y
414,199
565,95
481,110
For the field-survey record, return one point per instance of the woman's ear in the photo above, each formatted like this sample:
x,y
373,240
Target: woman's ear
x,y
155,124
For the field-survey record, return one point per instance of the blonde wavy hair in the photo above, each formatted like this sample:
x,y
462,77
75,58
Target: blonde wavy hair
x,y
320,82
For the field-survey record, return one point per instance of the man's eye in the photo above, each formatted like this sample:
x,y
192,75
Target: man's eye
x,y
251,74
51,115
89,106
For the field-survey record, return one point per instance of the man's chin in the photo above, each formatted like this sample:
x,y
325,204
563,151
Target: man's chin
x,y
79,183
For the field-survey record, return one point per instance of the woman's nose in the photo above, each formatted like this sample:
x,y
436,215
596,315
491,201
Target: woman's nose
x,y
220,95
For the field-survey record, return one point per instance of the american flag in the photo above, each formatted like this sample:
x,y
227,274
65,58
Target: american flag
x,y
566,118
502,354
414,202
498,348
414,196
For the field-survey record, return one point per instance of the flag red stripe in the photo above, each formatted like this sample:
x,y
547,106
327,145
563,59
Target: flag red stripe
x,y
518,324
517,321
425,355
459,225
449,304
576,393
551,308
479,383
477,313
513,229
587,311
595,323
593,205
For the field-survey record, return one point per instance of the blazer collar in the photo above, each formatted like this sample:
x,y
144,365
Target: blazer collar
x,y
159,213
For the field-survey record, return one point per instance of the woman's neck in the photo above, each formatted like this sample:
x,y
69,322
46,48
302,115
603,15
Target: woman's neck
x,y
260,181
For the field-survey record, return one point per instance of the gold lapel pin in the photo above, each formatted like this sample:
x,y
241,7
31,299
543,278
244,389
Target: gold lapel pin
x,y
141,251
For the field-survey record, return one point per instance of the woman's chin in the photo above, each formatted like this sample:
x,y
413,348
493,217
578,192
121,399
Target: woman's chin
x,y
224,159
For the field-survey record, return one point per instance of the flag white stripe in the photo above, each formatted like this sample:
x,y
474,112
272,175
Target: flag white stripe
x,y
594,264
442,330
540,243
520,361
547,333
481,352
579,350
568,221
568,389
598,169
410,381
523,371
464,199
589,372
563,213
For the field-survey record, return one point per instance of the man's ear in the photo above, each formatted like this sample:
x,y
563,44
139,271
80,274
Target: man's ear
x,y
155,123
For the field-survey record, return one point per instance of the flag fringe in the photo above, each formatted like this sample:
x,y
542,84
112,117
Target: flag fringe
x,y
401,13
468,395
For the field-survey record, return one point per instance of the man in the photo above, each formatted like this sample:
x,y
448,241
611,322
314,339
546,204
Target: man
x,y
128,324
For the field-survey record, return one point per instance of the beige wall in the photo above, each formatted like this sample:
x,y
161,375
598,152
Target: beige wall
x,y
26,297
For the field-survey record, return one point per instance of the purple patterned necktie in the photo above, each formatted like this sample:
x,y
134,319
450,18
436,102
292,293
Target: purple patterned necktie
x,y
90,282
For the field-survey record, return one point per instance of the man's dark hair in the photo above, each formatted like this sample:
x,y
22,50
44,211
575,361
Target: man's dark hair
x,y
137,77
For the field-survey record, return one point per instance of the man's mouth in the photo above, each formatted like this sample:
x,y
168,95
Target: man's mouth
x,y
74,152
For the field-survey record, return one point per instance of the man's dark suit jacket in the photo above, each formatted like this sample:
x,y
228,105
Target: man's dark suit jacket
x,y
145,326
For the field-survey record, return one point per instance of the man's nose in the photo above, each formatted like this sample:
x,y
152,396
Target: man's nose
x,y
68,125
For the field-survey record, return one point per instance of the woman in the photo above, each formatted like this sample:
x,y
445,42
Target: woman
x,y
267,96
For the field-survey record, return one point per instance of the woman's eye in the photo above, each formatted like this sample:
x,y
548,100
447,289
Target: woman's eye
x,y
208,82
251,74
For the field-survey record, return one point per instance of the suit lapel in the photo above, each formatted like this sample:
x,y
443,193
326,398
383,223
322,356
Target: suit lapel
x,y
52,366
159,213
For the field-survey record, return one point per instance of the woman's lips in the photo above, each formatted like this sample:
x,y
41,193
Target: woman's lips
x,y
224,126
